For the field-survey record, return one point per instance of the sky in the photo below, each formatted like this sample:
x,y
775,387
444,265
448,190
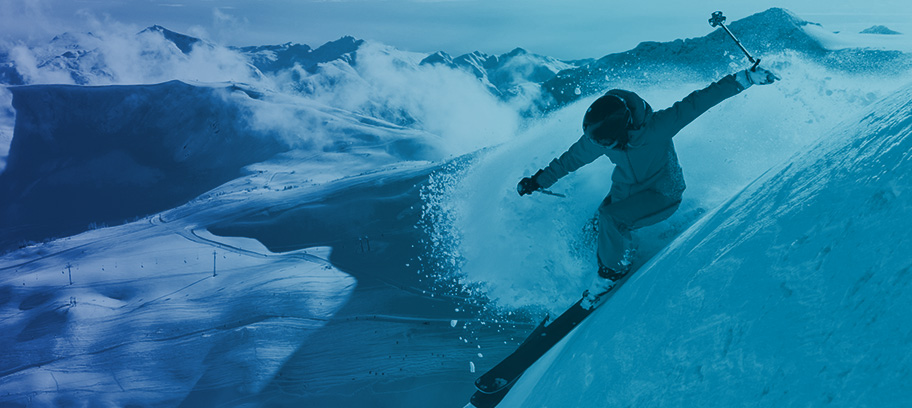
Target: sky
x,y
566,29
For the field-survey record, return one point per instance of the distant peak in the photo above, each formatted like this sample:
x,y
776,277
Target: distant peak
x,y
159,29
347,40
343,45
438,57
343,48
474,56
516,52
67,36
773,17
880,29
440,54
183,42
776,26
72,39
782,14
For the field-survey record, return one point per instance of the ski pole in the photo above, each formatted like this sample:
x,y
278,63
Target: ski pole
x,y
549,192
718,19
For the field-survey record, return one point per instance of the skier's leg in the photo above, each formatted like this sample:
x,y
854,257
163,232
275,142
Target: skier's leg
x,y
642,209
613,238
618,217
616,220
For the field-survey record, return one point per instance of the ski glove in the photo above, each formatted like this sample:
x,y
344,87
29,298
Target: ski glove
x,y
528,185
761,76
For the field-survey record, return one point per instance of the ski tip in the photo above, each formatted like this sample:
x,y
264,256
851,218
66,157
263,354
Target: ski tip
x,y
469,405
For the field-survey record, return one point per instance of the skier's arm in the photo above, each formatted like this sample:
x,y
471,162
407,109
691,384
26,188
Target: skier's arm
x,y
670,121
581,153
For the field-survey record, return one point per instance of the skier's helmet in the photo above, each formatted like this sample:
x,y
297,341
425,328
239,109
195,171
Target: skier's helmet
x,y
607,121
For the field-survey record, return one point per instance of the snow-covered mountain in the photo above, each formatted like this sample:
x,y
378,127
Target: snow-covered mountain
x,y
183,42
287,226
85,59
503,71
153,55
275,58
777,36
538,83
516,73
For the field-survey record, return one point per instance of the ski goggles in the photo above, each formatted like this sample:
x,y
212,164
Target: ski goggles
x,y
611,127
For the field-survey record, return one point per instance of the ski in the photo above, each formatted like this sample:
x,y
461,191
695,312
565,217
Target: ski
x,y
494,385
540,341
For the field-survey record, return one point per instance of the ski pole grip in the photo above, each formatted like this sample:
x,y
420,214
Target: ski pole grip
x,y
717,19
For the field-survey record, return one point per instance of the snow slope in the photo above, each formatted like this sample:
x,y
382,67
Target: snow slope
x,y
794,293
183,339
145,313
145,322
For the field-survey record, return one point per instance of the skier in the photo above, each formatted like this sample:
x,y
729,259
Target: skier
x,y
647,183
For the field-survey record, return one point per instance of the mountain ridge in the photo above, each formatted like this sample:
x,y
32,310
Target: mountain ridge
x,y
544,83
503,73
766,35
275,58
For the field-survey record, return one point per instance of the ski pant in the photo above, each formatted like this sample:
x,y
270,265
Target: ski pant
x,y
616,219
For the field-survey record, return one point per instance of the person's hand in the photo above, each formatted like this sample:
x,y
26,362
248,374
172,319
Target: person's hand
x,y
528,185
761,76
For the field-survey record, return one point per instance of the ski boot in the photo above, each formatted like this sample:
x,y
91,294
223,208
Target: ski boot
x,y
602,284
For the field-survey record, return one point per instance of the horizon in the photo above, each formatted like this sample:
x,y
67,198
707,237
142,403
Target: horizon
x,y
568,32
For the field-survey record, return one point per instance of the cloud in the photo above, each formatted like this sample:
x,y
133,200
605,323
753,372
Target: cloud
x,y
440,112
447,102
32,71
392,85
116,53
7,121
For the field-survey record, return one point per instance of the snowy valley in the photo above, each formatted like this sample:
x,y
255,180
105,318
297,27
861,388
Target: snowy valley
x,y
188,224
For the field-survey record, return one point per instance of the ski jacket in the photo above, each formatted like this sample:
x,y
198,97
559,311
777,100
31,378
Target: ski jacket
x,y
649,161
